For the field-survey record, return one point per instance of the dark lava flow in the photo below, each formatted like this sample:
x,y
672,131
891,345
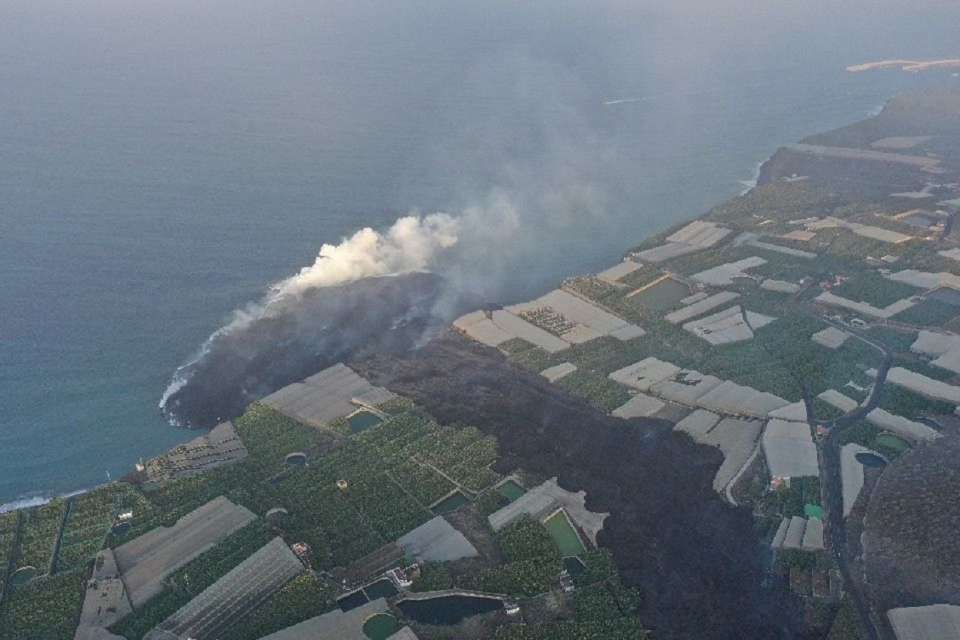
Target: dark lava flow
x,y
302,335
694,557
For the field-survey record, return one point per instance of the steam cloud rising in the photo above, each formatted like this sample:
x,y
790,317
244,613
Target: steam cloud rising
x,y
369,291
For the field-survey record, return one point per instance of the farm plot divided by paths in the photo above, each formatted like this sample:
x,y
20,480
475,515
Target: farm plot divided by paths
x,y
381,483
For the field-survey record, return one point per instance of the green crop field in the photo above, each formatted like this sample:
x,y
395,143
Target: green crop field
x,y
393,473
305,597
873,288
39,535
8,538
89,520
532,562
46,609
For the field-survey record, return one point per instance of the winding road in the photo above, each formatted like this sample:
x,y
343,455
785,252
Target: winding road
x,y
832,482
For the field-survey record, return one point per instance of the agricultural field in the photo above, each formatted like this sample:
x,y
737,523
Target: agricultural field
x,y
929,313
45,609
908,404
393,473
780,201
872,288
434,576
8,538
600,391
39,535
593,288
88,522
894,340
239,482
191,579
641,277
269,436
303,598
532,562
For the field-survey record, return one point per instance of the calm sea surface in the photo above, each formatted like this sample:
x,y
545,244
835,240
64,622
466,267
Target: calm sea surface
x,y
160,165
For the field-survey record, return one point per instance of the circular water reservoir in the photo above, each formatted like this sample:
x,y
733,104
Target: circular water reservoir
x,y
870,459
24,575
363,420
298,459
276,514
380,626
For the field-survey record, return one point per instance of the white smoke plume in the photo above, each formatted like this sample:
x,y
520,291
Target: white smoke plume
x,y
412,243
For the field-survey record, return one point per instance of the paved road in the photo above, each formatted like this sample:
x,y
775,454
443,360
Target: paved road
x,y
832,484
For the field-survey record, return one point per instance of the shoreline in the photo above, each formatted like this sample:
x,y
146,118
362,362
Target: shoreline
x,y
36,499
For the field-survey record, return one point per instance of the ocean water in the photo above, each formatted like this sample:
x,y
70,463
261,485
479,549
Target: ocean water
x,y
162,163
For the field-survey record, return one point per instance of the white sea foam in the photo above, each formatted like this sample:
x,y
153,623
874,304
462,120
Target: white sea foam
x,y
609,103
752,182
24,503
27,502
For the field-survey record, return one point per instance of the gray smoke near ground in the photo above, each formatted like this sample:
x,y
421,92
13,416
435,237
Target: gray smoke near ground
x,y
377,290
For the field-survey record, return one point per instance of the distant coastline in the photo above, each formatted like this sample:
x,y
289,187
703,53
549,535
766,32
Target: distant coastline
x,y
911,66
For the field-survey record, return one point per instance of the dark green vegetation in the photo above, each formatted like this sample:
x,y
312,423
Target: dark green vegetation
x,y
929,313
38,535
907,403
393,471
46,609
392,475
305,597
89,520
9,524
434,576
602,392
532,562
790,500
873,288
780,201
